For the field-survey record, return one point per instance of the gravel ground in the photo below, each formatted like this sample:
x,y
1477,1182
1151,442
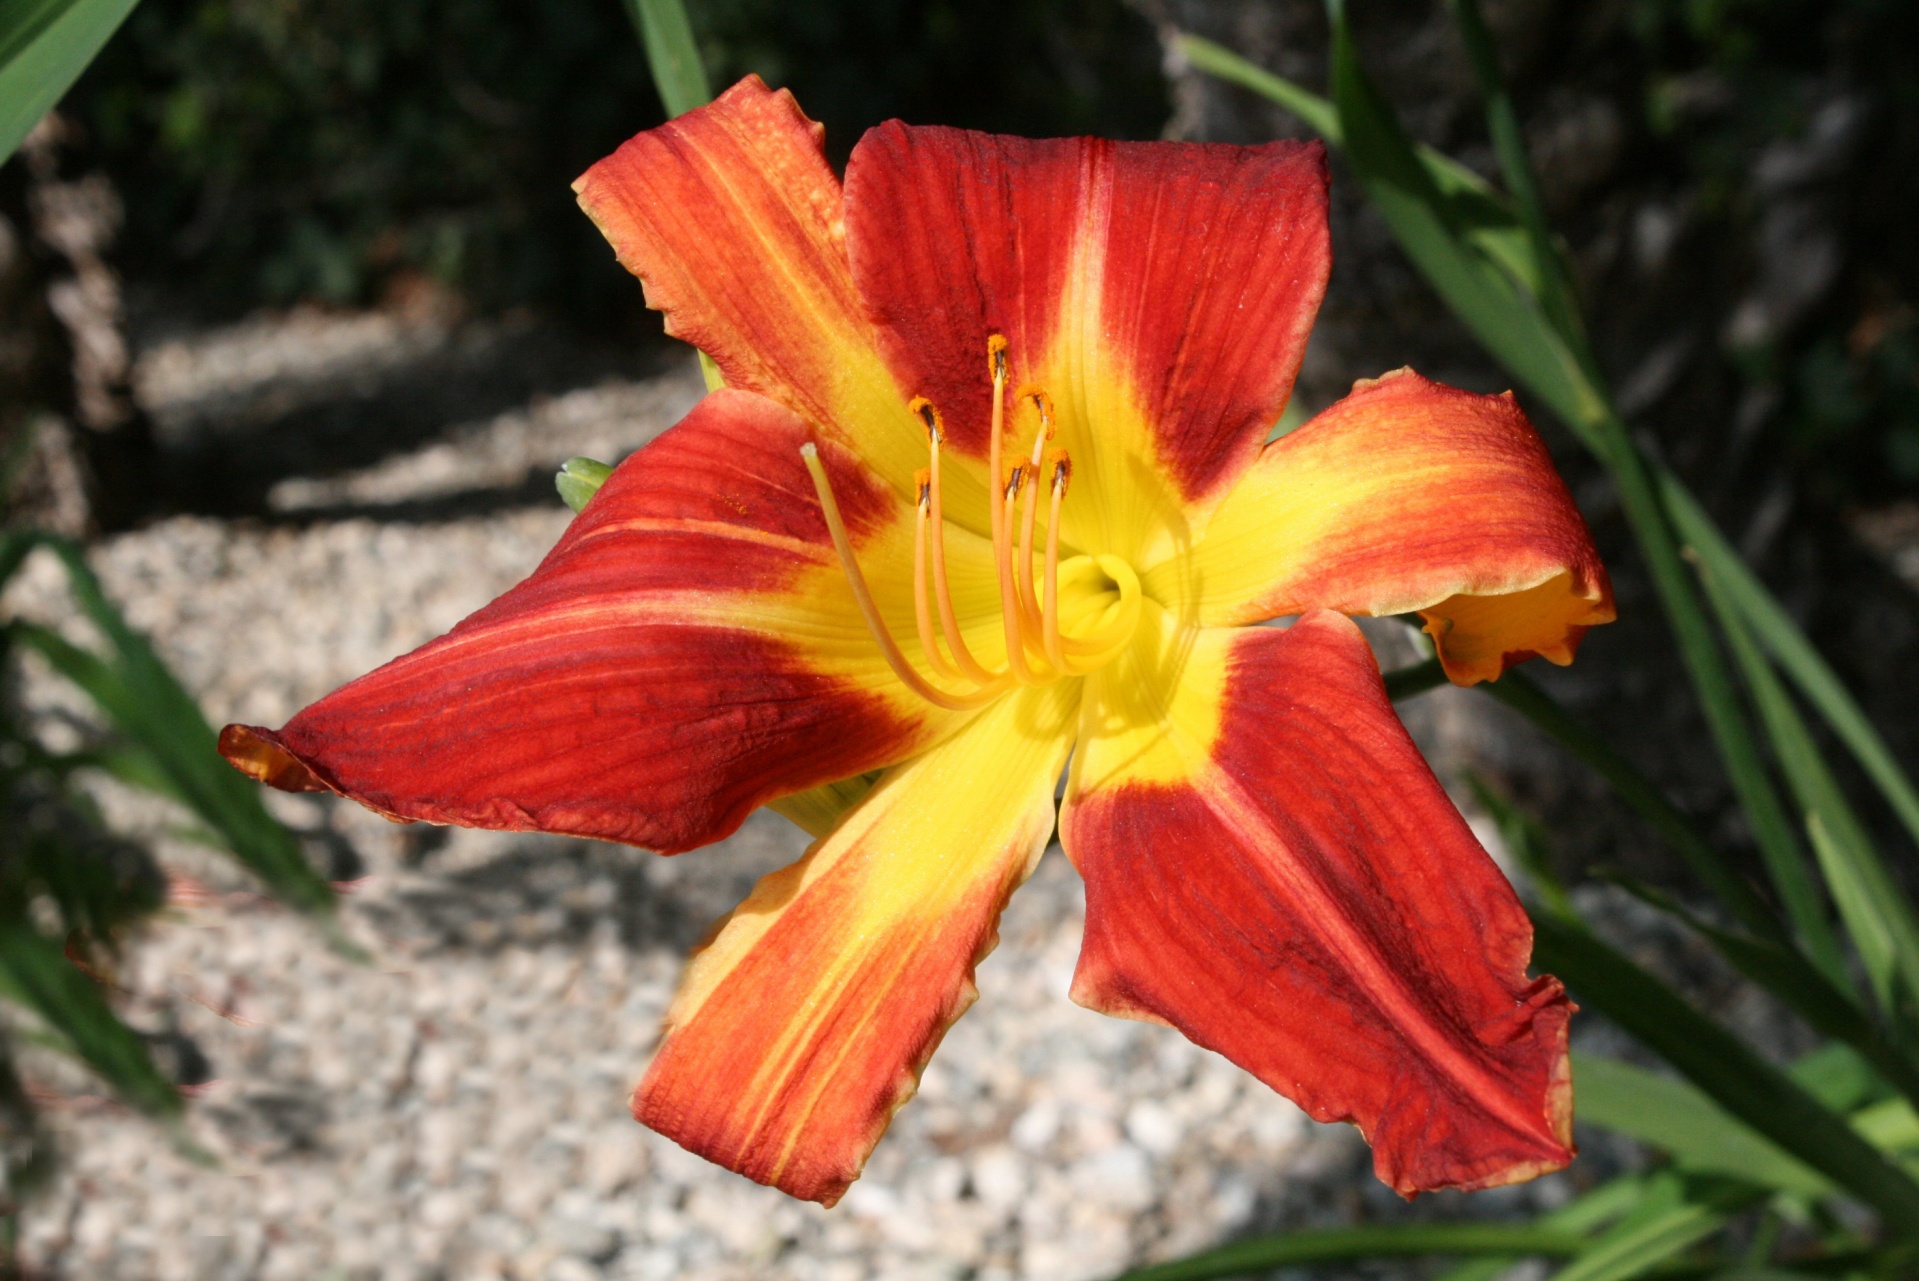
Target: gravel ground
x,y
456,1107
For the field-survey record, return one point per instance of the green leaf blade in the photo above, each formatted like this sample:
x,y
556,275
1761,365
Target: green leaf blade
x,y
1505,320
672,54
162,722
44,46
1332,1245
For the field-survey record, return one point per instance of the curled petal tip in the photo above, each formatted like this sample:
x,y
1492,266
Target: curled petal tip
x,y
253,752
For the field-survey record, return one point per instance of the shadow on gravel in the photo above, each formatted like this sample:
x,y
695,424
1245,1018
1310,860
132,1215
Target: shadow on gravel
x,y
221,453
535,489
548,890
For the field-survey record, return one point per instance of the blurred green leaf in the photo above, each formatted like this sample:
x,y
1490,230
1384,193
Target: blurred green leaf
x,y
1876,915
1838,1077
1680,1120
672,54
1890,1124
1218,61
1736,1079
35,972
1675,1214
1584,1214
161,720
1384,1240
1408,682
44,46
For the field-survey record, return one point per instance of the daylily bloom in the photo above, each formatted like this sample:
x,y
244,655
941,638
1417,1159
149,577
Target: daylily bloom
x,y
989,488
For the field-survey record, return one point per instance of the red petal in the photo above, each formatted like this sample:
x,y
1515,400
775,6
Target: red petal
x,y
1161,293
802,1027
730,217
1299,894
1407,495
688,650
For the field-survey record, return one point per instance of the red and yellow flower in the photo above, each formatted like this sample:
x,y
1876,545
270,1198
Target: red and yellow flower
x,y
988,490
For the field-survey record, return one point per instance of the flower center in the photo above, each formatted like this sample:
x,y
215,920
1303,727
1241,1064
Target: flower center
x,y
1074,619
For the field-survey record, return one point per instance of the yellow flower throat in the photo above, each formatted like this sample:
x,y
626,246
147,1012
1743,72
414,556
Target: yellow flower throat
x,y
1075,620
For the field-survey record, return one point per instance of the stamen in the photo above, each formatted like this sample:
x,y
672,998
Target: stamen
x,y
996,357
936,519
922,614
875,624
928,414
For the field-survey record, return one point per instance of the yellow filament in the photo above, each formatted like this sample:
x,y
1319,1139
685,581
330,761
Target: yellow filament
x,y
1037,650
882,635
922,613
949,618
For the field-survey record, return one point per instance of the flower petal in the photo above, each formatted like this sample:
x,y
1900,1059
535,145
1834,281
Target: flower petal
x,y
688,650
802,1027
1159,293
1407,495
1272,869
730,217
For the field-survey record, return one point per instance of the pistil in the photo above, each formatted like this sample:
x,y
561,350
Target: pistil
x,y
922,613
1049,630
936,531
1000,519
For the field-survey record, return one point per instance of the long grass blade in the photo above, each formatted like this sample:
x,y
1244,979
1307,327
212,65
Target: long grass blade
x,y
160,719
1789,647
1484,217
35,972
1515,330
1784,971
1877,914
1504,318
1555,286
1518,691
1741,1082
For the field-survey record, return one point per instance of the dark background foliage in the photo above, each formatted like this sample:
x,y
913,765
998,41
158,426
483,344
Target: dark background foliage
x,y
277,150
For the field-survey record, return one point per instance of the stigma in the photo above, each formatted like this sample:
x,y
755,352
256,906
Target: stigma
x,y
1070,619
